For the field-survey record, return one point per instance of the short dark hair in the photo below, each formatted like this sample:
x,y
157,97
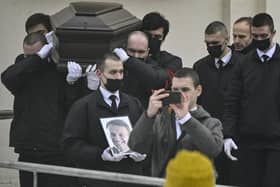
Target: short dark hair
x,y
215,27
190,73
34,37
119,123
153,21
100,64
263,19
36,19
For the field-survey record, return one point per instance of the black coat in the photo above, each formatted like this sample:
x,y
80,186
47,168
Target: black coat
x,y
40,104
143,77
252,105
215,82
84,139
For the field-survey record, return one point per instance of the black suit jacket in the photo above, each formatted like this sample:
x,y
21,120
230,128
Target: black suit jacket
x,y
84,139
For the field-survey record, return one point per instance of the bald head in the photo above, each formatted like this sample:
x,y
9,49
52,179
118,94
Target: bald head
x,y
137,45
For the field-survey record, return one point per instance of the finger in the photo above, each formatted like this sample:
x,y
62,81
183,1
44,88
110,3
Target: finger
x,y
131,156
159,97
229,155
233,158
89,67
157,92
234,146
108,149
94,67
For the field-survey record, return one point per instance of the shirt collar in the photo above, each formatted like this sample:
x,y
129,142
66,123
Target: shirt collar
x,y
106,94
269,53
225,59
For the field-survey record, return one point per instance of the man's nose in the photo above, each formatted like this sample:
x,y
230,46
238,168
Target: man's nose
x,y
236,40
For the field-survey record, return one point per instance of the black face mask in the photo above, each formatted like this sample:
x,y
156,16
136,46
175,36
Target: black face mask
x,y
262,44
215,51
113,85
154,45
141,59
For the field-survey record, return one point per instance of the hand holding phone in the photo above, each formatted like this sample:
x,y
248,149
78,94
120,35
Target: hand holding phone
x,y
174,97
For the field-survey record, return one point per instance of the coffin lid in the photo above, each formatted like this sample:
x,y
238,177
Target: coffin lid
x,y
93,16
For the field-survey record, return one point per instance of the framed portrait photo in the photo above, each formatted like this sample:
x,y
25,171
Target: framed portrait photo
x,y
117,131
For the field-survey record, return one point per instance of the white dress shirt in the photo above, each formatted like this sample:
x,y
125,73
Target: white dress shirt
x,y
106,94
225,59
182,121
268,53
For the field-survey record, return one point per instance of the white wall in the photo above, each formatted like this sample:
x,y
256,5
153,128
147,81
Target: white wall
x,y
188,19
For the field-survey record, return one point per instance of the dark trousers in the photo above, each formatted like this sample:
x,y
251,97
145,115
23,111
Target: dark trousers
x,y
45,180
228,171
259,167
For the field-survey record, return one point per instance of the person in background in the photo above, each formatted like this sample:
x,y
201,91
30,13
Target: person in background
x,y
38,116
162,131
189,169
156,26
242,35
215,72
142,73
252,109
40,103
40,22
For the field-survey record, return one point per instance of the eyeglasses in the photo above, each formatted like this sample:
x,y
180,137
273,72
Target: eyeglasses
x,y
136,51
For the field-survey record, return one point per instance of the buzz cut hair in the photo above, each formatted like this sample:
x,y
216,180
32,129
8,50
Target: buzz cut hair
x,y
215,27
100,64
188,73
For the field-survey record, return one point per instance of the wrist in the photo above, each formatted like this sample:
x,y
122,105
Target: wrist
x,y
149,114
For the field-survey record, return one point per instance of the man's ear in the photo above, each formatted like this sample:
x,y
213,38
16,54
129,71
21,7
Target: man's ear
x,y
198,90
98,72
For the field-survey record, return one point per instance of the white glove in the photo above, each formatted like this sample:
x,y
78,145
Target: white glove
x,y
74,72
228,146
92,78
121,54
52,39
49,36
108,156
45,50
137,157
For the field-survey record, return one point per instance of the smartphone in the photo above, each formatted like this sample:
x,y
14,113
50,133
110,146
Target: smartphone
x,y
173,98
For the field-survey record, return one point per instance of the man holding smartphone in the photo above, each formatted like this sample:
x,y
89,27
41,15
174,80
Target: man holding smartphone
x,y
164,130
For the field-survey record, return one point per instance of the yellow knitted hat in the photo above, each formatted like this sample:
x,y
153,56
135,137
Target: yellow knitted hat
x,y
190,169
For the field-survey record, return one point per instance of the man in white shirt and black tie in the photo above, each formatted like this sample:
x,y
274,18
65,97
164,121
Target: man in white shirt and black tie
x,y
252,109
83,138
215,72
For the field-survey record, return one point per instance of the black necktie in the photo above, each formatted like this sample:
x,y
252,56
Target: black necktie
x,y
265,58
114,104
221,63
